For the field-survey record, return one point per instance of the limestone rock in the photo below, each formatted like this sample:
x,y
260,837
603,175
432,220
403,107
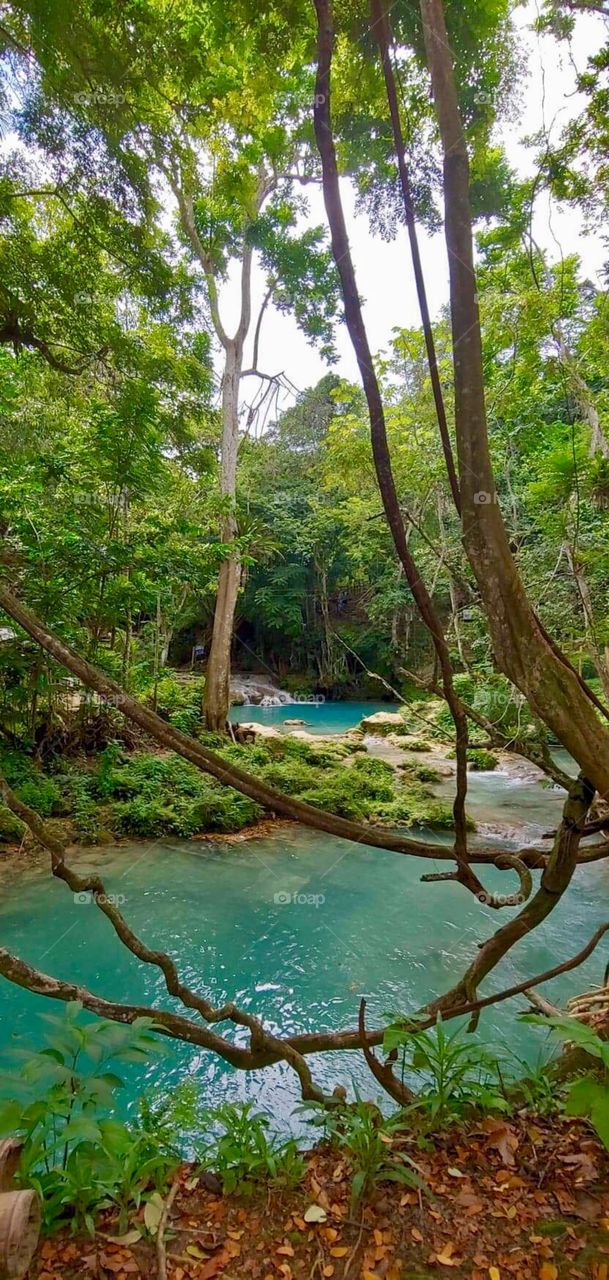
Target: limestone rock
x,y
383,722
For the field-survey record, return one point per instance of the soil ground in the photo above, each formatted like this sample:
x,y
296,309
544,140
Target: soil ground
x,y
519,1199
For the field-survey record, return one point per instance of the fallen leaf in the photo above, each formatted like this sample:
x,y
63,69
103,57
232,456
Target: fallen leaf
x,y
339,1251
455,1173
214,1265
548,1271
153,1212
285,1250
446,1258
130,1237
416,1235
195,1251
502,1137
315,1213
494,1273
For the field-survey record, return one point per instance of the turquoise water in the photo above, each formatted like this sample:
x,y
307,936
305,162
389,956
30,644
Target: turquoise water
x,y
374,930
324,717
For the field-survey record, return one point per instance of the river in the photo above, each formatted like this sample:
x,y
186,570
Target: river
x,y
295,927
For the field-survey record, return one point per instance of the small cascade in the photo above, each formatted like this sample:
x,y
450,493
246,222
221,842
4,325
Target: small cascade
x,y
283,699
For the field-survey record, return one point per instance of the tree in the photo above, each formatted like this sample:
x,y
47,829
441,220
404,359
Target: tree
x,y
232,147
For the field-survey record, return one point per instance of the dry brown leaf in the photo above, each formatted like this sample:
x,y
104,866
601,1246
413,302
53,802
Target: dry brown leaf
x,y
214,1266
446,1258
502,1137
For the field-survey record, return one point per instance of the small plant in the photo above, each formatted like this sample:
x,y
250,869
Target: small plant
x,y
370,1141
455,1073
76,1154
586,1095
244,1156
536,1087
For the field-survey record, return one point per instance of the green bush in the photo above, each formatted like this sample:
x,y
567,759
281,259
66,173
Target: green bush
x,y
243,1154
77,1155
150,816
481,760
154,795
420,772
375,778
77,788
40,794
587,1095
180,704
11,829
339,796
454,1073
290,776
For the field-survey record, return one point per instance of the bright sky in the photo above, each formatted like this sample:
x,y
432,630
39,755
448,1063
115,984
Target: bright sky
x,y
383,270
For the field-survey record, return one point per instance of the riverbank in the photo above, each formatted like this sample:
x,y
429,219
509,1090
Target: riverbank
x,y
526,1198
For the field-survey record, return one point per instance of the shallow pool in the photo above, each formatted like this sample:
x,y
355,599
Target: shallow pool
x,y
322,717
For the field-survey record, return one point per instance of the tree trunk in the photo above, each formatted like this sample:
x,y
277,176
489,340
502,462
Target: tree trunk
x,y
217,680
378,433
522,649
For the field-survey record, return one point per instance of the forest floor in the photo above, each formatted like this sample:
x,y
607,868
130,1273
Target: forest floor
x,y
525,1199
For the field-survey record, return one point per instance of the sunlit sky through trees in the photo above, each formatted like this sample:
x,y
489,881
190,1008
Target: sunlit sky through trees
x,y
547,99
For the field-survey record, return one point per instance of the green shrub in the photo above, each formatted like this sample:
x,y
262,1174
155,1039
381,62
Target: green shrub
x,y
40,794
11,829
78,1156
339,796
587,1095
481,760
369,1141
78,790
243,1154
150,816
180,704
454,1073
420,772
375,778
225,810
290,776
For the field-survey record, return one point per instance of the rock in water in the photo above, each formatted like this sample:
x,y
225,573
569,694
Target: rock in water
x,y
383,722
